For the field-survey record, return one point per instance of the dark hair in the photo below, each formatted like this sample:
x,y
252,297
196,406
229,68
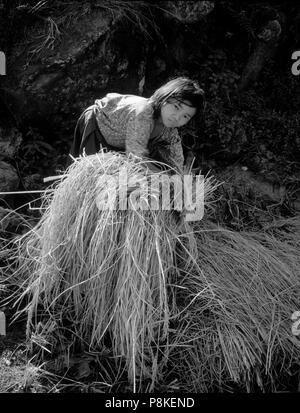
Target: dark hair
x,y
181,89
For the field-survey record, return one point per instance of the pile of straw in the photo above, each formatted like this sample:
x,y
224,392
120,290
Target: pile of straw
x,y
209,306
97,277
242,289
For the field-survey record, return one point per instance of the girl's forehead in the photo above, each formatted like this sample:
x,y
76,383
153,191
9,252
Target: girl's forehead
x,y
185,105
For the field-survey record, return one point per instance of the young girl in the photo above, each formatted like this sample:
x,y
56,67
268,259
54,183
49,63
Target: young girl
x,y
146,127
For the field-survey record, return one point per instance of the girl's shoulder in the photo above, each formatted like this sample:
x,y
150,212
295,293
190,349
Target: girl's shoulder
x,y
137,105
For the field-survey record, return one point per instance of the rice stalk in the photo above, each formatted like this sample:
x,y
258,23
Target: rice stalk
x,y
210,305
95,276
249,284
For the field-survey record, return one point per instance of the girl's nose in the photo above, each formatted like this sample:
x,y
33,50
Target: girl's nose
x,y
177,117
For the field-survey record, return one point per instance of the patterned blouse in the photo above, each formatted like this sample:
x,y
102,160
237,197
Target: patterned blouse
x,y
126,122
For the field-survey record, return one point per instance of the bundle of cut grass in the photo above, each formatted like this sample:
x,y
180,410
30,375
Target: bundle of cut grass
x,y
241,291
216,304
99,276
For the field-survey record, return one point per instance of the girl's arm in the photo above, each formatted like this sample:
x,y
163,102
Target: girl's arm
x,y
169,151
175,156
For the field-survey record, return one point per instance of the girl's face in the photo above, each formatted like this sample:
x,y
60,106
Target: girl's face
x,y
175,114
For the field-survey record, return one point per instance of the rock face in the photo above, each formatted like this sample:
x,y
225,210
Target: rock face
x,y
68,60
49,85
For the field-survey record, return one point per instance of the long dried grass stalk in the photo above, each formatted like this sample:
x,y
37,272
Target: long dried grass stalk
x,y
96,275
243,288
213,303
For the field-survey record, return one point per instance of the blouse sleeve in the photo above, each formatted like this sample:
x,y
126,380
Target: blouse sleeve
x,y
175,156
138,134
169,150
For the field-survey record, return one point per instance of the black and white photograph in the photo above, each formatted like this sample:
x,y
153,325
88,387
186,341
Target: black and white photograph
x,y
150,199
